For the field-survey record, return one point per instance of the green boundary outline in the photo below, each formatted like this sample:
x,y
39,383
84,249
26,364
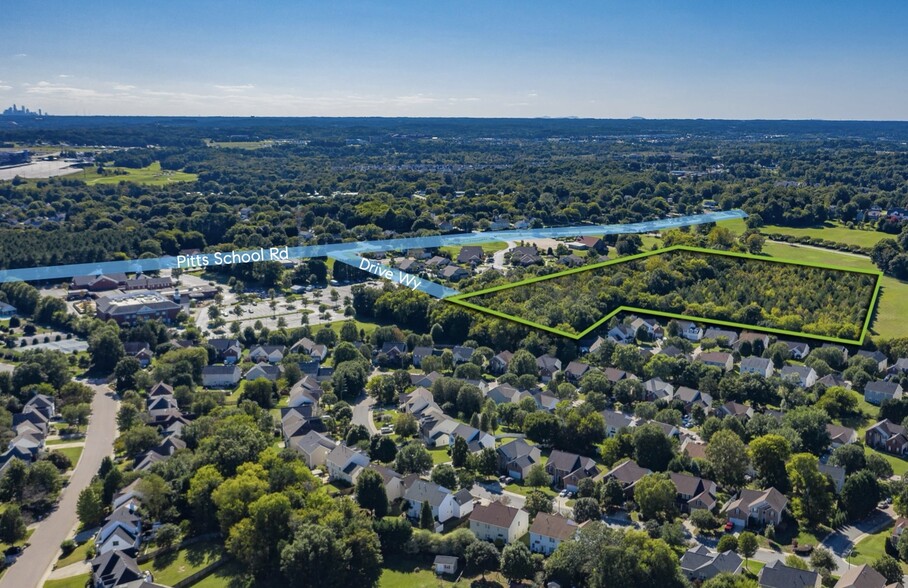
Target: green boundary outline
x,y
461,298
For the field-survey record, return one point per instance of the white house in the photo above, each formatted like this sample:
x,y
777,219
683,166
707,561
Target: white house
x,y
440,499
691,331
220,376
345,463
757,365
269,353
497,521
314,447
445,564
548,531
801,374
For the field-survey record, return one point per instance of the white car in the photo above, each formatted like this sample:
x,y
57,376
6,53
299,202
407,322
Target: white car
x,y
387,430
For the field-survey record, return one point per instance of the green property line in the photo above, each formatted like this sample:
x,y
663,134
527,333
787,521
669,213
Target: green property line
x,y
461,299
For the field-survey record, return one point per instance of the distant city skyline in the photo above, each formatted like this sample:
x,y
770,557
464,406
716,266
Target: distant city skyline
x,y
698,59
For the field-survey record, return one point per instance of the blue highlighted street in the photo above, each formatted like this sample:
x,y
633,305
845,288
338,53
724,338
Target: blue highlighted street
x,y
395,275
355,248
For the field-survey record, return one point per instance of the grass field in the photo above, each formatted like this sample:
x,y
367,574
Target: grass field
x,y
418,573
487,248
78,554
831,231
439,455
150,176
871,548
73,453
336,326
171,568
73,582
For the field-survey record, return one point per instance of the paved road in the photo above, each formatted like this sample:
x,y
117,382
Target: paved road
x,y
362,413
498,256
496,494
841,541
34,565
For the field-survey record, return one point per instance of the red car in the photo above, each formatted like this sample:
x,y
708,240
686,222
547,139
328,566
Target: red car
x,y
729,526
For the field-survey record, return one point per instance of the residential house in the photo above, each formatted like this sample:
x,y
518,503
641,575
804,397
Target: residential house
x,y
314,448
757,365
121,531
265,371
499,522
567,469
440,499
220,376
587,243
7,310
839,435
863,576
730,337
499,363
656,389
899,367
693,492
736,410
758,341
691,331
615,421
802,375
756,508
227,351
719,359
41,403
548,531
547,366
614,375
797,350
877,392
424,380
692,398
887,436
651,327
445,564
693,449
836,475
700,563
545,401
576,370
472,254
394,482
622,334
778,575
517,457
114,568
268,353
462,354
296,421
627,474
170,445
345,463
140,350
878,357
420,353
454,273
160,389
830,380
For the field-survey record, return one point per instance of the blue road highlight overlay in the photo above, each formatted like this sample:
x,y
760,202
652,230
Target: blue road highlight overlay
x,y
395,275
350,252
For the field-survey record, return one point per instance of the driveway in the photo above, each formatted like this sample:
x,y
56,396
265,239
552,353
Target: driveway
x,y
498,256
362,413
34,565
841,541
495,493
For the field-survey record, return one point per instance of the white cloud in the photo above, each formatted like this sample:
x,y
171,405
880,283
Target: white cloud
x,y
44,88
64,76
5,88
20,55
234,88
123,87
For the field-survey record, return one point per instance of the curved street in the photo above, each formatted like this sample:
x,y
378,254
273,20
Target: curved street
x,y
34,565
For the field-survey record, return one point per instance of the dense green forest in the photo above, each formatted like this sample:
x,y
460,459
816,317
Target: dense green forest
x,y
350,179
769,294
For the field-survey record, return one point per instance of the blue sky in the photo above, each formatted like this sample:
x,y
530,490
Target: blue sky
x,y
829,59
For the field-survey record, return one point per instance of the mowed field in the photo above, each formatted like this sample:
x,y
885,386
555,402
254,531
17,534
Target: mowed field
x,y
831,231
152,175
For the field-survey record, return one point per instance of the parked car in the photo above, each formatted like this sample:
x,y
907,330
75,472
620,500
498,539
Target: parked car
x,y
387,430
729,526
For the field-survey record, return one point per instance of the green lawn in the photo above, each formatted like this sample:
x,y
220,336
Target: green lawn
x,y
73,582
892,306
77,555
525,490
439,455
400,572
753,566
152,175
487,248
72,453
869,549
899,465
4,546
173,567
336,326
228,576
830,231
61,441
